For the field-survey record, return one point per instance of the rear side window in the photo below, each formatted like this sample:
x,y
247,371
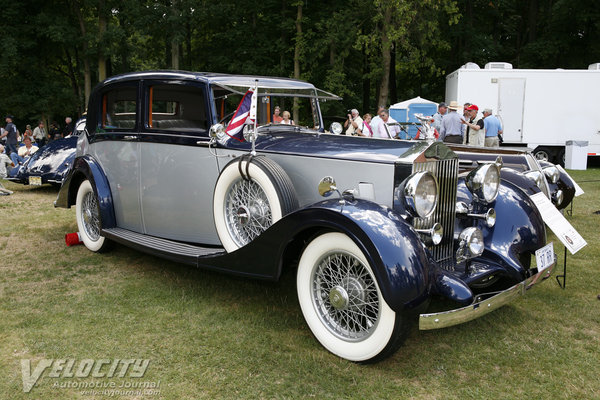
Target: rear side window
x,y
118,110
176,108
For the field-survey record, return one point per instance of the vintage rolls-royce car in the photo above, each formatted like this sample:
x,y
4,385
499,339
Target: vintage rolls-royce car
x,y
197,168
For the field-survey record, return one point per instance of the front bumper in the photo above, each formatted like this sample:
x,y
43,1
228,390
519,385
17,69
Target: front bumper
x,y
480,308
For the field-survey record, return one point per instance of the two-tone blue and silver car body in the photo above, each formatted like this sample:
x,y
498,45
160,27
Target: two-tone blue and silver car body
x,y
154,192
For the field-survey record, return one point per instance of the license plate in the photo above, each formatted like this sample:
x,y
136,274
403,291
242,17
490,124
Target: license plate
x,y
544,257
35,180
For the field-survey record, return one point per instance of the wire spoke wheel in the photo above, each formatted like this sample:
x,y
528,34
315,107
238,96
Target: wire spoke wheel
x,y
345,296
89,220
247,211
91,216
342,303
250,196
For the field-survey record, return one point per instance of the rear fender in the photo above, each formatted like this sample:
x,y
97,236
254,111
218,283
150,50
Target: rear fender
x,y
86,167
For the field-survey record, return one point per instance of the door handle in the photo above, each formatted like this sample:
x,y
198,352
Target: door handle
x,y
130,137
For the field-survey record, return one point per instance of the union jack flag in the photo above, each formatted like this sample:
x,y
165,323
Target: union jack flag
x,y
245,114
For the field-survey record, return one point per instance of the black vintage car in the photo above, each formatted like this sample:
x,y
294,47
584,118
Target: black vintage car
x,y
191,167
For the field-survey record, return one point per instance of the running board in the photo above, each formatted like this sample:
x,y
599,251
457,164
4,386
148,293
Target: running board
x,y
169,249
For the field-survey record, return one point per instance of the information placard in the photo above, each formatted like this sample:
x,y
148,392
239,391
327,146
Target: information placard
x,y
558,223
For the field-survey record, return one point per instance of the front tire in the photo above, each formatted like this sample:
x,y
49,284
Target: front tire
x,y
88,218
342,303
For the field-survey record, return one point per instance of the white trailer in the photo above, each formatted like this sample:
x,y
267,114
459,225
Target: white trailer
x,y
538,108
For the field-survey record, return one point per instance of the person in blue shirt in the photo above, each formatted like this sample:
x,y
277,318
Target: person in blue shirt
x,y
452,126
493,128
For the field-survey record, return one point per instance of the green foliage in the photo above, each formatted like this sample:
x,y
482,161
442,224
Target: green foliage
x,y
45,49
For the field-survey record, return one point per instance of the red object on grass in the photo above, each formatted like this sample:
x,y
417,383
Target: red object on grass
x,y
72,239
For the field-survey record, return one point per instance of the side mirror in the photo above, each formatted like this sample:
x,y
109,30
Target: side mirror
x,y
336,128
327,186
217,131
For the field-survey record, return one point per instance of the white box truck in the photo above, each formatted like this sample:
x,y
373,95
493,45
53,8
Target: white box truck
x,y
539,108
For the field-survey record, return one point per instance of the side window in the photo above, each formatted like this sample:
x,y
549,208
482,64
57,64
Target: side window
x,y
118,109
176,108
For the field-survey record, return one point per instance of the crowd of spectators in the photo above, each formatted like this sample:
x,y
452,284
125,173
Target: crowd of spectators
x,y
16,148
451,126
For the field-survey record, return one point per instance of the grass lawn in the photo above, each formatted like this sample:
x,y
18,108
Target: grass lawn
x,y
212,336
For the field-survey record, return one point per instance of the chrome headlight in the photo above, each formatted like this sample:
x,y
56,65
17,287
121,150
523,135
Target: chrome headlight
x,y
540,181
484,182
552,173
336,128
470,244
421,194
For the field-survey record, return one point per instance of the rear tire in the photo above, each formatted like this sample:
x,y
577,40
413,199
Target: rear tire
x,y
88,219
342,303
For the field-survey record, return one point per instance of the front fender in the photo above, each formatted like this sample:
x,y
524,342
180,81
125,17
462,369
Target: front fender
x,y
86,167
519,230
397,254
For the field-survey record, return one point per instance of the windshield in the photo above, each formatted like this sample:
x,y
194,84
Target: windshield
x,y
286,107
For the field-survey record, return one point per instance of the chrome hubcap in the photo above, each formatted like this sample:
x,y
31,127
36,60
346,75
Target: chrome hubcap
x,y
247,211
345,296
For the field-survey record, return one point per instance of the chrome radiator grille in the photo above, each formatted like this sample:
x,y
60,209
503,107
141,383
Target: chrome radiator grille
x,y
446,173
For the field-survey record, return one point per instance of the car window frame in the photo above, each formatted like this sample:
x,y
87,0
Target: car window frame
x,y
145,112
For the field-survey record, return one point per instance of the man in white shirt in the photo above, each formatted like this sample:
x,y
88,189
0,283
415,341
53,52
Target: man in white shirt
x,y
384,130
376,121
353,123
24,152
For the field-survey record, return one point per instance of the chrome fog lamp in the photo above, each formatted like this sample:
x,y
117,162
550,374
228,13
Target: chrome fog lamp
x,y
470,244
336,128
421,194
484,182
552,173
434,234
490,218
558,197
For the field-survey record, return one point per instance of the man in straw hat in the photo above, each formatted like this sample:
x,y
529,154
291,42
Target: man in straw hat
x,y
452,126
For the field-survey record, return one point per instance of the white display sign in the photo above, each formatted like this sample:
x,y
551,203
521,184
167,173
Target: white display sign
x,y
558,223
578,190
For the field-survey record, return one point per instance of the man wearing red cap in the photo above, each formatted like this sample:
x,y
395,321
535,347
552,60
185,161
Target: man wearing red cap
x,y
475,131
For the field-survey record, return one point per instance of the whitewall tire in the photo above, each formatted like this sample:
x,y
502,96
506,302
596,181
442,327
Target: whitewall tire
x,y
88,218
249,197
342,303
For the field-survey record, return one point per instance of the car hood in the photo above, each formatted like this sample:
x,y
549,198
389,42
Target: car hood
x,y
344,147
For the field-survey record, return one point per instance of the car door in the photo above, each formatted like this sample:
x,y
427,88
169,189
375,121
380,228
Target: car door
x,y
115,145
178,170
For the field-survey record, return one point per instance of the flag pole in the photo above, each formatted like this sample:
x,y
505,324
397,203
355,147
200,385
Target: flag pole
x,y
254,105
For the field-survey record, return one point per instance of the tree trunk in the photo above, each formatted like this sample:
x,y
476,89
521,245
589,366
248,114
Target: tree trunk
x,y
297,54
366,84
393,90
101,32
87,72
385,58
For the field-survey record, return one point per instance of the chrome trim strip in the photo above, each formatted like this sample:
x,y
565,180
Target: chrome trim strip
x,y
460,315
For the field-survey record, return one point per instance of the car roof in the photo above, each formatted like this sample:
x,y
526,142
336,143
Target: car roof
x,y
215,78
